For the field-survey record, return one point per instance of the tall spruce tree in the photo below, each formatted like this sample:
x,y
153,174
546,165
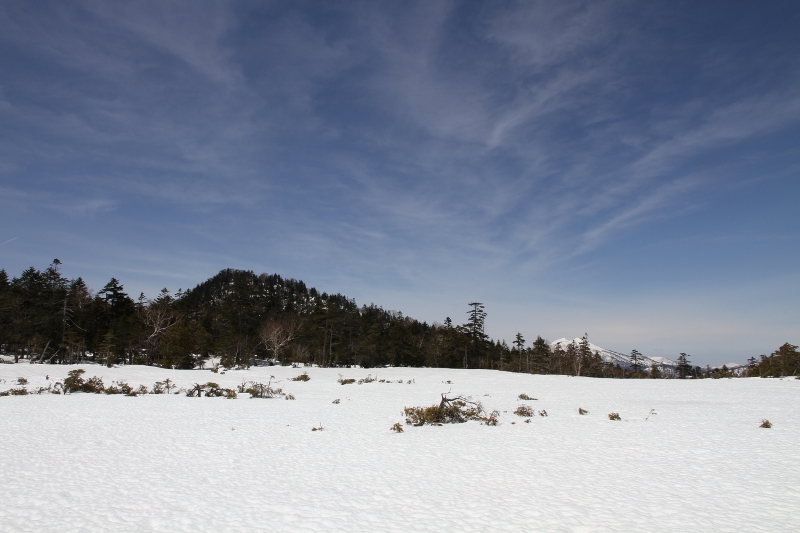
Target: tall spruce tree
x,y
476,332
636,359
684,366
541,354
583,355
519,345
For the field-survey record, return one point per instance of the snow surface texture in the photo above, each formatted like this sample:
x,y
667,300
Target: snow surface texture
x,y
87,462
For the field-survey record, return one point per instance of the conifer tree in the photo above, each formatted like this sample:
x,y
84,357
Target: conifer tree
x,y
519,344
541,355
655,371
475,329
636,358
684,367
752,365
475,323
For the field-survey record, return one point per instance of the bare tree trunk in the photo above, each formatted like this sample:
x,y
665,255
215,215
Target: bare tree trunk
x,y
41,358
277,333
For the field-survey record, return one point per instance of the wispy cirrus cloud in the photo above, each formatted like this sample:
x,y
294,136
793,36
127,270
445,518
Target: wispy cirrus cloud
x,y
436,143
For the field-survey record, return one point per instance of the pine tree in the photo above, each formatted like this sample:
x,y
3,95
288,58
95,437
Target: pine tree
x,y
115,298
475,323
785,361
655,371
475,329
752,364
541,353
519,344
636,358
581,355
684,367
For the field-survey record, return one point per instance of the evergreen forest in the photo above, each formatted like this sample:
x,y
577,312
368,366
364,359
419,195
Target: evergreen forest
x,y
238,319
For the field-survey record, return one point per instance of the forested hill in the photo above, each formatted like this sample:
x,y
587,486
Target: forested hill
x,y
253,317
243,319
267,292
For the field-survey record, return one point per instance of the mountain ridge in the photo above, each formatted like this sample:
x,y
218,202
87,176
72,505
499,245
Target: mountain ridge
x,y
618,358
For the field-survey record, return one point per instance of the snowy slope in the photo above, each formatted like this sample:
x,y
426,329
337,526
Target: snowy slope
x,y
170,463
617,358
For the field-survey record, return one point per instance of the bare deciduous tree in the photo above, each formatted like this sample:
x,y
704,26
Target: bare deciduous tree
x,y
160,316
302,353
275,333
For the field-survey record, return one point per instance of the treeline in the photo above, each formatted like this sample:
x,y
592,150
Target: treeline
x,y
785,361
242,319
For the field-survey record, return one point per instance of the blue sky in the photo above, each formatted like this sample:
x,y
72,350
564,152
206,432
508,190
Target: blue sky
x,y
626,169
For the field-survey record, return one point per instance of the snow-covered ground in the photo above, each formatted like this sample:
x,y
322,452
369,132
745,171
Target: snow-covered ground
x,y
87,462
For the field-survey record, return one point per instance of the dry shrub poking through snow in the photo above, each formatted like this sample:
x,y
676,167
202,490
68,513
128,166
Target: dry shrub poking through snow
x,y
302,377
397,428
93,385
765,424
216,392
337,400
343,381
527,420
582,411
542,413
449,411
290,396
614,416
524,410
22,381
196,391
74,381
22,391
368,379
524,396
264,390
163,387
118,387
492,419
210,390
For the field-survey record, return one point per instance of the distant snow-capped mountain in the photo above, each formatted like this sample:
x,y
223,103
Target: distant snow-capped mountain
x,y
617,358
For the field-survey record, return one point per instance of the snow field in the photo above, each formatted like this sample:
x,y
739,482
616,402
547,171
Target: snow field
x,y
87,462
